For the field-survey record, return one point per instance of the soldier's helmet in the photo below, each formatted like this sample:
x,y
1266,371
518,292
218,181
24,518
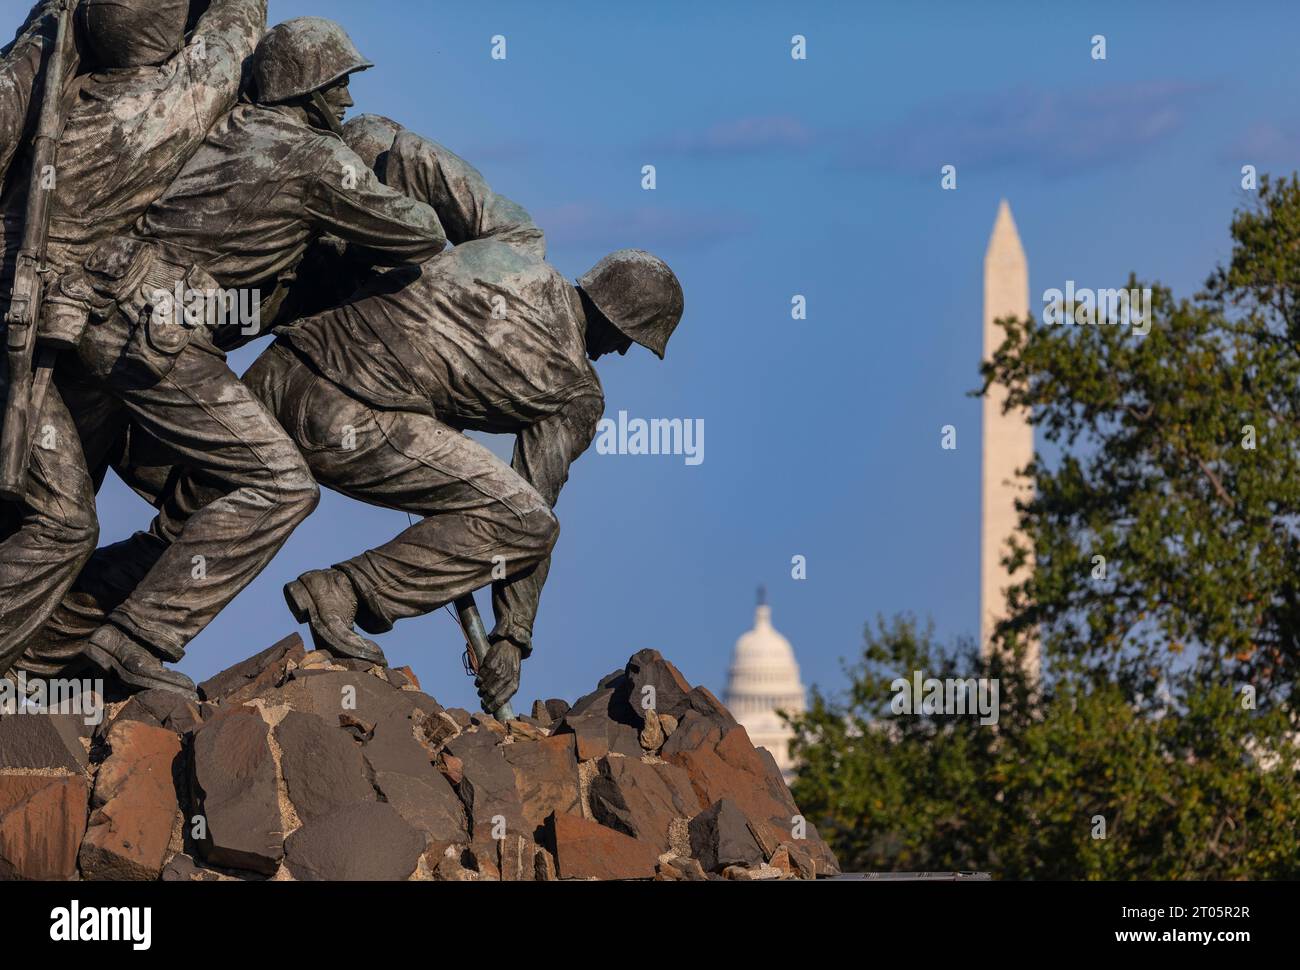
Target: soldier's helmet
x,y
131,33
639,294
303,55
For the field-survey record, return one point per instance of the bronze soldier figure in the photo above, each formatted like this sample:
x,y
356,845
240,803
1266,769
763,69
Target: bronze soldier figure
x,y
138,57
376,393
268,179
487,337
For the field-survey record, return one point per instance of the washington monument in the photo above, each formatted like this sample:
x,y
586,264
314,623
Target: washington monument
x,y
1008,442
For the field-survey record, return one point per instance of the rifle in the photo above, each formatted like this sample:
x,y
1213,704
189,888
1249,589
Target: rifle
x,y
30,365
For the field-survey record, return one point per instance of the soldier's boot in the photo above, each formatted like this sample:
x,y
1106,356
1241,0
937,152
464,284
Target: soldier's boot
x,y
325,600
115,652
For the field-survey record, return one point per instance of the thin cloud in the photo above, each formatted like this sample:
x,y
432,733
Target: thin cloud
x,y
1267,144
743,136
1056,133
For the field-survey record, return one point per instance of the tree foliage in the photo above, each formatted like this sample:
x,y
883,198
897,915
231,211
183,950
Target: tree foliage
x,y
1165,530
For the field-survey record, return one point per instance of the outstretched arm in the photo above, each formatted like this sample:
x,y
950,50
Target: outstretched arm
x,y
543,455
208,71
425,170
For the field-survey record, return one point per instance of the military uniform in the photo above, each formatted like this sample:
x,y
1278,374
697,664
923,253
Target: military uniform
x,y
487,337
377,392
127,133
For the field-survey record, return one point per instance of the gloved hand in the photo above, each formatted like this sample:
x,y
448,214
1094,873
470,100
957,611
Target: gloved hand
x,y
498,674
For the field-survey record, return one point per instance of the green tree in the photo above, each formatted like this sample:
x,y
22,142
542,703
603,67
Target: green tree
x,y
1165,529
1196,786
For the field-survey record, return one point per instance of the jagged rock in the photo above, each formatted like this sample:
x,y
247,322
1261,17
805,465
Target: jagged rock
x,y
134,807
517,859
648,669
487,785
482,857
158,708
247,678
519,728
365,841
42,822
437,729
409,674
400,679
589,850
486,722
546,778
720,837
322,766
641,800
29,741
556,708
183,868
794,861
602,722
690,869
652,735
428,803
452,768
460,716
360,730
751,874
237,792
727,765
376,780
544,866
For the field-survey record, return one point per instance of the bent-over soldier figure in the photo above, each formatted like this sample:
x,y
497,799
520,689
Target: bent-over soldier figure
x,y
487,337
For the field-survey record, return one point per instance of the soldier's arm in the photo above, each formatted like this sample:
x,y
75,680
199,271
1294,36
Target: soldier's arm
x,y
209,70
427,171
465,203
20,63
543,455
347,200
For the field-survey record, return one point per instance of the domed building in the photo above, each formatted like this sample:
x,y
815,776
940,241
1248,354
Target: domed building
x,y
764,679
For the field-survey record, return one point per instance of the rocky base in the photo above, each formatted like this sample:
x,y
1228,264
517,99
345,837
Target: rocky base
x,y
298,766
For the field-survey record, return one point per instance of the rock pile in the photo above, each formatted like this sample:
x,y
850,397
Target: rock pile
x,y
298,766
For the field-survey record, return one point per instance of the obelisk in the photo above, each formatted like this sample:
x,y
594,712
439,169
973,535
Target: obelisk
x,y
1008,438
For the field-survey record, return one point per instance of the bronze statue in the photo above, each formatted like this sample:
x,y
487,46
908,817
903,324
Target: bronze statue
x,y
95,194
368,393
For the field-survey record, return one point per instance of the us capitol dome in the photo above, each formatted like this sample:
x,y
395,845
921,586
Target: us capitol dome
x,y
764,678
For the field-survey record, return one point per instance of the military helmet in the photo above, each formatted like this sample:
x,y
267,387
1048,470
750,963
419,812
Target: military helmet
x,y
132,33
303,55
639,295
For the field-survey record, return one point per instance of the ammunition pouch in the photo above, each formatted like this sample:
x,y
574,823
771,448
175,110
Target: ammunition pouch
x,y
161,302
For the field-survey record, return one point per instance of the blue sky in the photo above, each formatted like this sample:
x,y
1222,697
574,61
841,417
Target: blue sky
x,y
779,177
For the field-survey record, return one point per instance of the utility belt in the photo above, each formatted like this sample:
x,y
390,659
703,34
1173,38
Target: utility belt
x,y
154,294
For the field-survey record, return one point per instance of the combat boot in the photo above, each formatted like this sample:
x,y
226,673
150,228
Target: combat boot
x,y
114,652
325,600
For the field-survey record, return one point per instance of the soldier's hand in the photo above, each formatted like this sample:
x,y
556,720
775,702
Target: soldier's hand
x,y
498,675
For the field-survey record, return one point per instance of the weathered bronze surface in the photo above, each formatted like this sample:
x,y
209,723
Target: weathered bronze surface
x,y
388,347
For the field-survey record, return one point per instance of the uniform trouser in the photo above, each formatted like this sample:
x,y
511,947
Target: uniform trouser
x,y
482,520
237,488
48,538
479,513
